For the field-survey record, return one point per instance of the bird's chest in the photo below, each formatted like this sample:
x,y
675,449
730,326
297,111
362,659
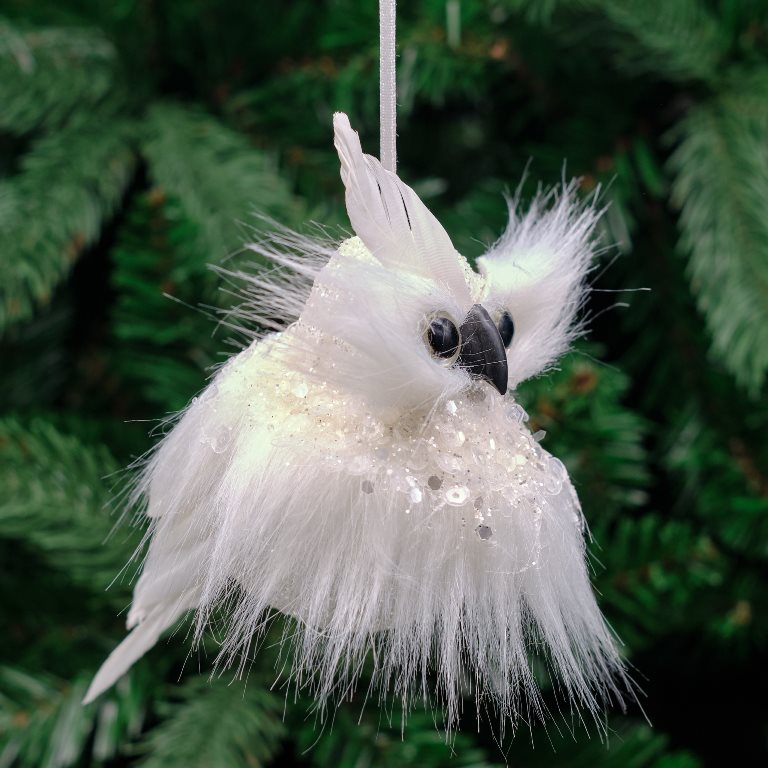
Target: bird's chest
x,y
472,459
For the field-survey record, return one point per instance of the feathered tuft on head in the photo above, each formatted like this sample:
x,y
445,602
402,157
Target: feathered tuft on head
x,y
388,216
537,271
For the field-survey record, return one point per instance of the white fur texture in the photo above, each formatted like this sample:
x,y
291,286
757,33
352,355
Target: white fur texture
x,y
537,270
337,472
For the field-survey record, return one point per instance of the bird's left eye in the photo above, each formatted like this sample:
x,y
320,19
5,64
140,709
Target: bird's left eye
x,y
506,329
442,337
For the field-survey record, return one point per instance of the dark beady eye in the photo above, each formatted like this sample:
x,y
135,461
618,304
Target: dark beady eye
x,y
442,337
506,329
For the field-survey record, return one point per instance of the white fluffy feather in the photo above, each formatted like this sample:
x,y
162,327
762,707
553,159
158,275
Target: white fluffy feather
x,y
336,471
387,215
538,268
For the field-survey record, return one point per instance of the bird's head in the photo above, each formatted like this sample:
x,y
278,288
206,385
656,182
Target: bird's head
x,y
401,320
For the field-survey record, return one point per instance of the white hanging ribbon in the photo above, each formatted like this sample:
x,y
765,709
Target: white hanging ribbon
x,y
387,86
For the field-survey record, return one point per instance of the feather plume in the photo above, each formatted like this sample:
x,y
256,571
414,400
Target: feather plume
x,y
387,215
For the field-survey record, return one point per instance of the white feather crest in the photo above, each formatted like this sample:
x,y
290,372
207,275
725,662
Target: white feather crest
x,y
388,216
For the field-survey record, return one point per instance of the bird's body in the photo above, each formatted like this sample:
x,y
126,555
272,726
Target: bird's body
x,y
358,473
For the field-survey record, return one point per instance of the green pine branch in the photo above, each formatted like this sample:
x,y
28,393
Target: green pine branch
x,y
43,723
35,358
209,183
49,74
70,182
628,744
679,40
721,185
56,498
374,737
162,347
655,577
580,407
218,178
215,724
724,484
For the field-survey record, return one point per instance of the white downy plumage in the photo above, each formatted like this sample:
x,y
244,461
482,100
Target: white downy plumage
x,y
388,500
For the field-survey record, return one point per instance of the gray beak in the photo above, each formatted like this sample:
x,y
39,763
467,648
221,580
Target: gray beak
x,y
482,351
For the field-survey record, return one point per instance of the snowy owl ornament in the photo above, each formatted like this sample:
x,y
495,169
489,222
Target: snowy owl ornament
x,y
367,471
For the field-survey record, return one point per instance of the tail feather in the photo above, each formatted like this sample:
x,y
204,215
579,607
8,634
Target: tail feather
x,y
138,642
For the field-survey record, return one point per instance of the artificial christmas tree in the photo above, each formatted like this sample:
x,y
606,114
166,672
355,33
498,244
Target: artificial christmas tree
x,y
136,143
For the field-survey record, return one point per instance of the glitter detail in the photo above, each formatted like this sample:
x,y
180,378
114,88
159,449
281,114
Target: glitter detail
x,y
453,438
449,462
418,458
472,467
434,482
456,495
359,465
484,532
516,413
476,395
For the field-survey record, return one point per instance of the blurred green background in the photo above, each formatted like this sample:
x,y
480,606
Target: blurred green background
x,y
138,138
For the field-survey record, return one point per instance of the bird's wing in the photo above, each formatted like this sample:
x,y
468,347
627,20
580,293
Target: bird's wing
x,y
171,580
188,483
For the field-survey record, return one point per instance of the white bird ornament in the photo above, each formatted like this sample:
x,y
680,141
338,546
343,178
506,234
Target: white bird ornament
x,y
363,468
